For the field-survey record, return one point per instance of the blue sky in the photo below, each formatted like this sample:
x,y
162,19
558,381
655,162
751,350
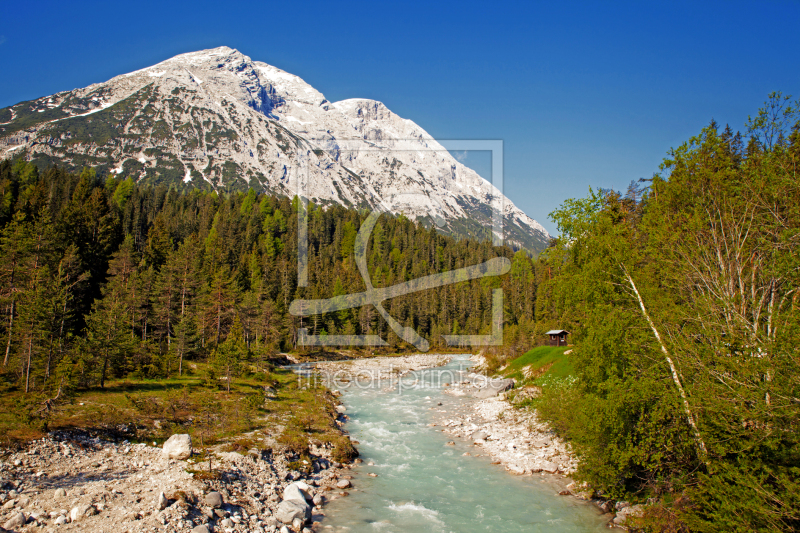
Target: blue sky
x,y
582,94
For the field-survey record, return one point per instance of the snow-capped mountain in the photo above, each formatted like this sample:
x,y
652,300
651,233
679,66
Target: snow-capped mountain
x,y
217,119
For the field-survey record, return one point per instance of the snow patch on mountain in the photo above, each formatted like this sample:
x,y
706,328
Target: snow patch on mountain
x,y
242,123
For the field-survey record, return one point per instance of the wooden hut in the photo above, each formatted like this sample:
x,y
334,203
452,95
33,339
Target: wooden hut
x,y
558,337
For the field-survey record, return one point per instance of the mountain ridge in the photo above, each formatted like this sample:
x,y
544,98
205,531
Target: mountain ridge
x,y
217,119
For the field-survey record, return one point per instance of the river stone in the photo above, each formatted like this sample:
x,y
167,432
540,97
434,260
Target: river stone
x,y
493,388
548,467
80,511
178,446
227,523
288,510
515,468
201,529
479,435
60,494
17,520
162,502
343,484
213,499
296,491
627,512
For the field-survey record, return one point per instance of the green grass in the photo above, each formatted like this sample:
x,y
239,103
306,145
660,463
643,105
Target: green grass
x,y
186,404
544,362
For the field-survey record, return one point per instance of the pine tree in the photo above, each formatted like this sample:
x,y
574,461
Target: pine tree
x,y
183,263
108,324
15,242
229,355
218,305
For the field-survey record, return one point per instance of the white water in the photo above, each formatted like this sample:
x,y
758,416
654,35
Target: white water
x,y
425,486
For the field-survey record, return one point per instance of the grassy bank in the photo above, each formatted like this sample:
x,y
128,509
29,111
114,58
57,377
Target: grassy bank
x,y
540,363
277,403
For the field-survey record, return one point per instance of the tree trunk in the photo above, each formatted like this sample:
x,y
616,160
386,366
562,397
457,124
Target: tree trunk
x,y
49,357
103,372
10,330
702,450
11,317
28,369
219,321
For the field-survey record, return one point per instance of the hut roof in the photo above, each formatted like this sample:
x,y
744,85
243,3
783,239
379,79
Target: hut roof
x,y
556,331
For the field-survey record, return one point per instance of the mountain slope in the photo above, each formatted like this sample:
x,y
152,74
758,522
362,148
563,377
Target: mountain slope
x,y
217,119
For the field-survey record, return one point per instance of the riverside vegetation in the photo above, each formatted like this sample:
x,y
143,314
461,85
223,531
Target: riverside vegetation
x,y
683,302
137,306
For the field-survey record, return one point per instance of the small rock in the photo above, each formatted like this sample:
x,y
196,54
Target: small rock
x,y
288,510
607,506
201,529
178,446
493,388
227,523
479,436
549,467
80,511
296,491
213,499
451,443
60,494
373,474
343,484
318,500
17,519
564,493
162,502
60,520
626,512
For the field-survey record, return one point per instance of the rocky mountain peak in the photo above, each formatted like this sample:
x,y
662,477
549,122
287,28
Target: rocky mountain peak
x,y
217,119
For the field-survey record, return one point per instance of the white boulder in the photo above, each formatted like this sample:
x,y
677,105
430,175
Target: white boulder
x,y
17,519
288,510
178,446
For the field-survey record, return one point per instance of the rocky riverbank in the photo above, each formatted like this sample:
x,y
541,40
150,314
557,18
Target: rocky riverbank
x,y
380,367
80,481
72,481
516,439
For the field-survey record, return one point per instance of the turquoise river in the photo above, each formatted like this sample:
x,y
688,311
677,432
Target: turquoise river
x,y
424,485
